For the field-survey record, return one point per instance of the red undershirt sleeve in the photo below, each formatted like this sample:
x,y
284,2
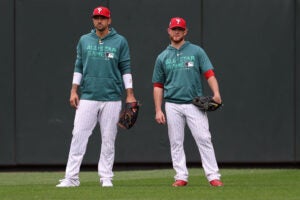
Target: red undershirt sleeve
x,y
209,73
160,85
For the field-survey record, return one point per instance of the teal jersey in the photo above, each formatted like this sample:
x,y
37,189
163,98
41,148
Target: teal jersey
x,y
180,71
102,64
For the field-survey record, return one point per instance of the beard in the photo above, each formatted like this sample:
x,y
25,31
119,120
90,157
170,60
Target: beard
x,y
176,39
101,29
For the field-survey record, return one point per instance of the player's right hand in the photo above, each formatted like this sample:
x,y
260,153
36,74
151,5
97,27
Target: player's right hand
x,y
74,99
160,117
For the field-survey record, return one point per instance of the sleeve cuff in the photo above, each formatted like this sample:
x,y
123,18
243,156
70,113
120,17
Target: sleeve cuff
x,y
77,78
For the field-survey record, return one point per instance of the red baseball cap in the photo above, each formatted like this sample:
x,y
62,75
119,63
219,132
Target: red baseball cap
x,y
102,11
177,22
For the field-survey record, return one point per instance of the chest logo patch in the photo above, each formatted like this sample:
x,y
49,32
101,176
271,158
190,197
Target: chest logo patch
x,y
109,55
189,64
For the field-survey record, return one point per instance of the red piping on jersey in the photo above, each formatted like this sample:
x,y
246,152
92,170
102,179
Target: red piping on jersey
x,y
160,85
209,73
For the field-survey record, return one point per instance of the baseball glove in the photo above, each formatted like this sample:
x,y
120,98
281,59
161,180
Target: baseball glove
x,y
206,103
128,115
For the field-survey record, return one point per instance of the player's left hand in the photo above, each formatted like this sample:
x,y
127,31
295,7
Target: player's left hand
x,y
217,98
206,103
128,115
130,96
130,99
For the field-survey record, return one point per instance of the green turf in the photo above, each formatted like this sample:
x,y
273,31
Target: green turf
x,y
240,184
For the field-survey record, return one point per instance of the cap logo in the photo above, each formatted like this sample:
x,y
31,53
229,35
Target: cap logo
x,y
178,21
99,10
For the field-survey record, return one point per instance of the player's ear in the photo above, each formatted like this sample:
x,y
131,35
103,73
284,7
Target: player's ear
x,y
109,21
185,32
168,30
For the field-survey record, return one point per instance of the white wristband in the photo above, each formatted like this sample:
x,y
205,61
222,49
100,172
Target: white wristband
x,y
127,79
77,78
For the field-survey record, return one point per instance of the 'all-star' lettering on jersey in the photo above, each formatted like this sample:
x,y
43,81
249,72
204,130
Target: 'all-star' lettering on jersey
x,y
102,64
180,71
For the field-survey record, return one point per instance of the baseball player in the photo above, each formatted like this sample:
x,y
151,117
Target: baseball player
x,y
177,78
102,70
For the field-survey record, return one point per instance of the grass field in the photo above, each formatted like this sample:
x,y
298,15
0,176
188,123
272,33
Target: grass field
x,y
239,184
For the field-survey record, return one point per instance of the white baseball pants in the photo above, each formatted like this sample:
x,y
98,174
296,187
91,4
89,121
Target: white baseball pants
x,y
177,116
87,115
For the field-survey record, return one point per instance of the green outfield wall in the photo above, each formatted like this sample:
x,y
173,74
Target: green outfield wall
x,y
253,44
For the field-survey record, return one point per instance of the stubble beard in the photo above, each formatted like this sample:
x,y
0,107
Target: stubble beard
x,y
176,41
102,29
